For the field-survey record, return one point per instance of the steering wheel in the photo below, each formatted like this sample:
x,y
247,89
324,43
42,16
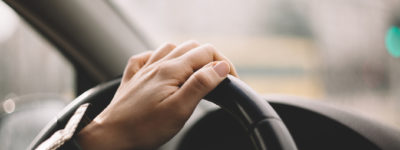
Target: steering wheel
x,y
263,125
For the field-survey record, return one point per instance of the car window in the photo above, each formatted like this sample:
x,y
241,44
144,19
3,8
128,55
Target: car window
x,y
35,81
332,51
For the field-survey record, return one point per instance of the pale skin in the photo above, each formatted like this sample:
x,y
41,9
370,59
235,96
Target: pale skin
x,y
158,93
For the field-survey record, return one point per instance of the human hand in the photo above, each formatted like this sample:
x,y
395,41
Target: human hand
x,y
158,93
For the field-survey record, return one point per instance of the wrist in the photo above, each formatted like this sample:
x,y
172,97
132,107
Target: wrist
x,y
98,135
88,137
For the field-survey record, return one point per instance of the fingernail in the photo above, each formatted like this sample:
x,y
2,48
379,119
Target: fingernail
x,y
222,68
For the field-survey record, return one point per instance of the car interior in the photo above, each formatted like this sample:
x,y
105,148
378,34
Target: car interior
x,y
97,38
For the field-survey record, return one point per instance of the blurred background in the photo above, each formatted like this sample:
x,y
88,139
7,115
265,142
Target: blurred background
x,y
331,51
36,81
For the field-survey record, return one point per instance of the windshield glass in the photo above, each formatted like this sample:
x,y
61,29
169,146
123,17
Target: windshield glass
x,y
331,51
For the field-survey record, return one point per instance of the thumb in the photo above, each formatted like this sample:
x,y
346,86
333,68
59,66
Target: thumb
x,y
199,84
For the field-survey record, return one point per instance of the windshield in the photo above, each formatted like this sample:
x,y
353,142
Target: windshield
x,y
331,51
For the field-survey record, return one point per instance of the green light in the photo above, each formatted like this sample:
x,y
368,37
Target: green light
x,y
392,41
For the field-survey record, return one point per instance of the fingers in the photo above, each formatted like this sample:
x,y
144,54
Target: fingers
x,y
161,52
182,49
191,58
204,54
197,86
135,63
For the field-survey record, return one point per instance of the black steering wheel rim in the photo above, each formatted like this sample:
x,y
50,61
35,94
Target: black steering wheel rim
x,y
262,123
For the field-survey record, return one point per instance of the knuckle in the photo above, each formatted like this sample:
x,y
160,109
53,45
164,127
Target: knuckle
x,y
132,63
202,80
193,43
133,59
209,49
139,57
169,45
